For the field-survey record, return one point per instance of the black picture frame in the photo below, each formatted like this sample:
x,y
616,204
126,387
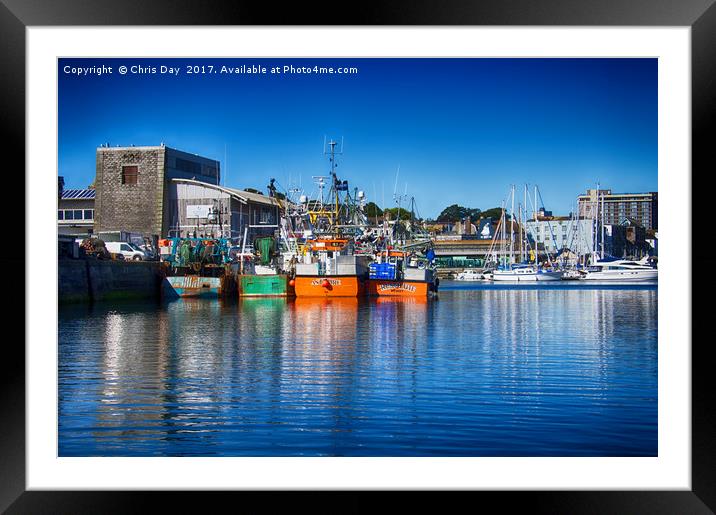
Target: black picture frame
x,y
700,15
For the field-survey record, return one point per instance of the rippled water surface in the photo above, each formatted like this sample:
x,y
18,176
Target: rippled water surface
x,y
482,371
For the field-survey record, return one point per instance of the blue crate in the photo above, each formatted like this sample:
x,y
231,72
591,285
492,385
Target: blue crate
x,y
382,271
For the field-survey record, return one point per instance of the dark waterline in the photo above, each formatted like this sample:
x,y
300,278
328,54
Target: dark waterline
x,y
485,370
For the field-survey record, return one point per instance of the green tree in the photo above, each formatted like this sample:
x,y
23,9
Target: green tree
x,y
372,210
473,213
494,213
457,213
453,213
393,212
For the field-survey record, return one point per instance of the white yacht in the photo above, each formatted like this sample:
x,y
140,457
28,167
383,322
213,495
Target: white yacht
x,y
621,270
526,273
572,274
470,275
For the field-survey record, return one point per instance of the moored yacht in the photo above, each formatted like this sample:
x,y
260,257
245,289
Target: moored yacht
x,y
612,269
470,275
526,273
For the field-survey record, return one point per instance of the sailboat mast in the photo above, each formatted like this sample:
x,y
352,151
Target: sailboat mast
x,y
520,222
534,205
512,226
526,236
602,218
504,233
595,225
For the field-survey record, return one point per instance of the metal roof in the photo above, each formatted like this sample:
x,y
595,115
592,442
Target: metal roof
x,y
78,194
240,195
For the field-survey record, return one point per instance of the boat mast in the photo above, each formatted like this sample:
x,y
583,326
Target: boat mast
x,y
595,227
520,222
512,226
332,159
602,218
525,221
503,237
534,206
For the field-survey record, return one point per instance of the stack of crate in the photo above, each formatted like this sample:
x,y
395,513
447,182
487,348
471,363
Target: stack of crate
x,y
382,271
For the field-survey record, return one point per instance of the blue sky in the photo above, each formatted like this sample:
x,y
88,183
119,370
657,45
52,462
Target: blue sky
x,y
461,130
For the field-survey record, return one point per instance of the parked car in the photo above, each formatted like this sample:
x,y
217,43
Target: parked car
x,y
128,250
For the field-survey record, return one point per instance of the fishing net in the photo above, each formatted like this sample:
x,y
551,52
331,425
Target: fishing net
x,y
184,254
265,247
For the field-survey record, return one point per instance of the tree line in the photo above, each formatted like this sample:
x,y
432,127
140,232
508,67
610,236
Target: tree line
x,y
451,214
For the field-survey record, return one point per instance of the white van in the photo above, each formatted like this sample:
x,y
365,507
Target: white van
x,y
128,250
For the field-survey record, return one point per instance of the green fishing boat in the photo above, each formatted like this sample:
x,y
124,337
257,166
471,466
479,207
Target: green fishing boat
x,y
262,277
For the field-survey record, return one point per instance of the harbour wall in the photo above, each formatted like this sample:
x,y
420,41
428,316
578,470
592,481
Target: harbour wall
x,y
87,280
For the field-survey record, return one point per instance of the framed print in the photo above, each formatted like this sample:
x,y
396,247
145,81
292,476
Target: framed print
x,y
418,250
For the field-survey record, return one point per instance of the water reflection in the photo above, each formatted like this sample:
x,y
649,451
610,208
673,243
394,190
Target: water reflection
x,y
477,372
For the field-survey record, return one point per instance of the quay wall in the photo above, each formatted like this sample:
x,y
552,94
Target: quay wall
x,y
92,280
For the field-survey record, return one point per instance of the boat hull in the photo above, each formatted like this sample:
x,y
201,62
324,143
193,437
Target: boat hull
x,y
329,286
527,277
386,287
264,286
196,286
470,278
622,275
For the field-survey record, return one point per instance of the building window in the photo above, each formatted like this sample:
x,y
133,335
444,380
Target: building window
x,y
211,171
75,214
129,174
188,166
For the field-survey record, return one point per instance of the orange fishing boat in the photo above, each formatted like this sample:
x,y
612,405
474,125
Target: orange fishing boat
x,y
385,287
328,270
396,274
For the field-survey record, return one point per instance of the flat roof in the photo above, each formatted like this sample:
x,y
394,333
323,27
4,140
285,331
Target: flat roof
x,y
605,195
133,147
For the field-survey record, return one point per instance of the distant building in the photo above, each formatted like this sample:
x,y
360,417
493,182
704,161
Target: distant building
x,y
440,227
554,235
75,212
195,208
544,214
465,226
642,207
132,185
626,239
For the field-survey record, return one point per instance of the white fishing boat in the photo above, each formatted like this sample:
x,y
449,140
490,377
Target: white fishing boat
x,y
621,270
524,273
470,275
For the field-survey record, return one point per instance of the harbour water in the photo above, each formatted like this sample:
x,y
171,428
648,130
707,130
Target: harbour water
x,y
563,369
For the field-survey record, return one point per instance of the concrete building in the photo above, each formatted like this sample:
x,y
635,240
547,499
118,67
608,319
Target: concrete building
x,y
133,186
642,207
203,209
626,239
554,235
75,212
